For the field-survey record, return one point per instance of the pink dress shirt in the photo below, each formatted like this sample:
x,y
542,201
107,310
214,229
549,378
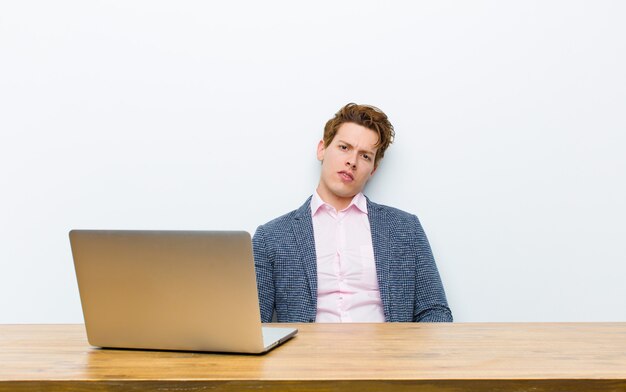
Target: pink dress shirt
x,y
347,288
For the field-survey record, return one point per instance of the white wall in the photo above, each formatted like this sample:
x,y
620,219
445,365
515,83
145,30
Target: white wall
x,y
510,120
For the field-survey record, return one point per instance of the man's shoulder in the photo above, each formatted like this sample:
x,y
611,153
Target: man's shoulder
x,y
283,221
403,224
391,212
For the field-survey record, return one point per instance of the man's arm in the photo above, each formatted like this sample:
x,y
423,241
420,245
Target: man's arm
x,y
430,298
264,275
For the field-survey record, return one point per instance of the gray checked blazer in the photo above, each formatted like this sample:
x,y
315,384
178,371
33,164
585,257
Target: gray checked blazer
x,y
286,267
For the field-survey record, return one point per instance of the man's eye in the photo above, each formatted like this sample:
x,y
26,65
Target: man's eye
x,y
342,147
366,157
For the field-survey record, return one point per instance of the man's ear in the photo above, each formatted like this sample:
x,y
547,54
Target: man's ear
x,y
320,151
374,170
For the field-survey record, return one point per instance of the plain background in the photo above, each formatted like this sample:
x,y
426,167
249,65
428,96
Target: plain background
x,y
510,120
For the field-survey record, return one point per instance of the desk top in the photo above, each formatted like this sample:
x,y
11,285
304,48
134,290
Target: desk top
x,y
435,356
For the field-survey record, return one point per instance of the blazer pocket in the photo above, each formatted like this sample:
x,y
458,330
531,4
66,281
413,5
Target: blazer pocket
x,y
404,253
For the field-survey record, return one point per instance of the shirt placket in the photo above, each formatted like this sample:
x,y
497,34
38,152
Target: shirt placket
x,y
342,268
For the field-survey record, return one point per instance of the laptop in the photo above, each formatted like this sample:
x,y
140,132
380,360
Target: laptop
x,y
171,290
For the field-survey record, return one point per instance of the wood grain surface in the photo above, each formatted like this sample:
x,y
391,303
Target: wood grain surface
x,y
368,357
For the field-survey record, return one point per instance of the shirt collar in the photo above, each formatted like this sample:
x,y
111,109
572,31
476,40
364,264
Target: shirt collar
x,y
358,201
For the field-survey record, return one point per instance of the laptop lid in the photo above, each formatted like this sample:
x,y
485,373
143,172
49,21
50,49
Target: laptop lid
x,y
170,290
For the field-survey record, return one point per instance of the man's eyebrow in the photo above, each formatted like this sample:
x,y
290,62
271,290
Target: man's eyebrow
x,y
344,142
350,145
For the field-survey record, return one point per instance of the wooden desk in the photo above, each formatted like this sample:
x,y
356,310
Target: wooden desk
x,y
323,357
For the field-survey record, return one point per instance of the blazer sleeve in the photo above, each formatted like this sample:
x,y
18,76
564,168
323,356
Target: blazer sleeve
x,y
264,266
430,298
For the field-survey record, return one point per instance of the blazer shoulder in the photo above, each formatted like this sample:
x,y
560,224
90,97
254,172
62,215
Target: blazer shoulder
x,y
283,221
280,221
394,214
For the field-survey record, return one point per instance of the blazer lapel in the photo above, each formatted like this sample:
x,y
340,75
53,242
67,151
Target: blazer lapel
x,y
302,225
382,254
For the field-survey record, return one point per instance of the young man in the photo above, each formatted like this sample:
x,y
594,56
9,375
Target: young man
x,y
340,257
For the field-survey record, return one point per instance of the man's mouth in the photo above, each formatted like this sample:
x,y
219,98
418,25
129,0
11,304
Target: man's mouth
x,y
346,176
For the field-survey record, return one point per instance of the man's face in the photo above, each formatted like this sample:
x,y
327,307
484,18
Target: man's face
x,y
347,164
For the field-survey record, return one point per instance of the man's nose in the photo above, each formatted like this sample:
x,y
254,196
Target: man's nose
x,y
351,161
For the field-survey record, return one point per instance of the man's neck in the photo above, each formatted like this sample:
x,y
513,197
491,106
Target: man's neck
x,y
338,203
